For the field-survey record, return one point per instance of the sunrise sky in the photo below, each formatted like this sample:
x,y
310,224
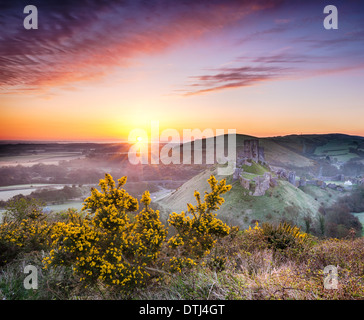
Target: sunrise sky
x,y
95,70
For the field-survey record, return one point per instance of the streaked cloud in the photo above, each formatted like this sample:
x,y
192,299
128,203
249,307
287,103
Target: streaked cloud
x,y
85,40
227,78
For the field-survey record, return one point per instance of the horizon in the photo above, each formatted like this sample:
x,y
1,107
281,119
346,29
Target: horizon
x,y
96,71
105,141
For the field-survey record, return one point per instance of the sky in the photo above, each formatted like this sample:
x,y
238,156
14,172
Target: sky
x,y
96,70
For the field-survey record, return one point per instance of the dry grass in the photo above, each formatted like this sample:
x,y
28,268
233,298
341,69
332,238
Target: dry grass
x,y
254,270
265,275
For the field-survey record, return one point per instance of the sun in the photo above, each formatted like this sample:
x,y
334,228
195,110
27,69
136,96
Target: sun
x,y
139,139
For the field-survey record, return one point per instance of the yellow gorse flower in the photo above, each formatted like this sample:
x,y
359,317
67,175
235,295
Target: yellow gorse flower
x,y
198,234
106,245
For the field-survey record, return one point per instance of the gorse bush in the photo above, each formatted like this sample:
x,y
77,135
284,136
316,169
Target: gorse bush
x,y
118,246
107,245
23,233
197,234
282,238
116,243
22,208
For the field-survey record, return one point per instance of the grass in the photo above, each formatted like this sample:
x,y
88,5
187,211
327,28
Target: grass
x,y
249,175
281,202
279,155
339,149
325,197
252,272
255,168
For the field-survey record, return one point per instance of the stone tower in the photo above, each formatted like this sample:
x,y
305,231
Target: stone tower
x,y
253,151
247,149
261,156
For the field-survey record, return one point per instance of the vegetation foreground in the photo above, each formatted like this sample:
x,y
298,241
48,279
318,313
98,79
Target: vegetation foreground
x,y
116,250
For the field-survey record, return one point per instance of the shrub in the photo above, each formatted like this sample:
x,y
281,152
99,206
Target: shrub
x,y
107,245
22,232
283,236
338,221
22,208
277,237
198,234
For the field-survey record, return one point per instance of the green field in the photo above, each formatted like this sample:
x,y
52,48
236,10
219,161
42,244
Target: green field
x,y
337,149
64,206
45,158
8,192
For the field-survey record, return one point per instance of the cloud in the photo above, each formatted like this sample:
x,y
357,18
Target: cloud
x,y
281,48
85,39
260,69
276,58
257,71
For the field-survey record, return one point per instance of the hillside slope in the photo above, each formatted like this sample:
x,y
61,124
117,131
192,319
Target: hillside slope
x,y
312,155
282,202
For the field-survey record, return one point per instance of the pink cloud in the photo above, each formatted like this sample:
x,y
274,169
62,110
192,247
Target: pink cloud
x,y
71,46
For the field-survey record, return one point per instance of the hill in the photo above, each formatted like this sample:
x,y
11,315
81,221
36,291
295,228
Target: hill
x,y
284,202
313,155
322,157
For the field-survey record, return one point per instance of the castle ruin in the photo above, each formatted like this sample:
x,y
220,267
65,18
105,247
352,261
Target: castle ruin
x,y
253,151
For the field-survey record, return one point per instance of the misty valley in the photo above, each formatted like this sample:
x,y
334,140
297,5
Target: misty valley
x,y
324,169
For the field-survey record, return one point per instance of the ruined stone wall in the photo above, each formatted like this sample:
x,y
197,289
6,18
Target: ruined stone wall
x,y
261,156
254,148
253,151
247,149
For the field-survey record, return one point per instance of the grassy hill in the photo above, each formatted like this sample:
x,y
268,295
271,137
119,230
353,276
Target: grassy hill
x,y
280,155
338,147
308,155
283,202
302,153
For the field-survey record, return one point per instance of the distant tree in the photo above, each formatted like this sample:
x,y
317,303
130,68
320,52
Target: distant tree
x,y
353,167
339,221
354,201
308,221
321,221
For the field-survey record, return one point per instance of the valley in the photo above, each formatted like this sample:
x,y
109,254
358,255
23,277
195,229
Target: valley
x,y
295,177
